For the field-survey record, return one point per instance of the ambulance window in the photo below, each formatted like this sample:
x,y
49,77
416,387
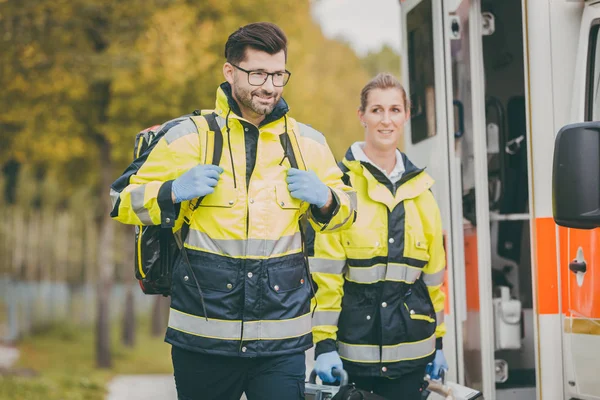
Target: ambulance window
x,y
593,74
421,72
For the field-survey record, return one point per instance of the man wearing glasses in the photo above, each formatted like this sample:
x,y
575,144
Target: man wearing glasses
x,y
248,327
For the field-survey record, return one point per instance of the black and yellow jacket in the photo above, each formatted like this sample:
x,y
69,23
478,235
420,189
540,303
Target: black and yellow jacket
x,y
244,242
379,297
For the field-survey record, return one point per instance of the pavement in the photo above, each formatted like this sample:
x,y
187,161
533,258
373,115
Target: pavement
x,y
159,387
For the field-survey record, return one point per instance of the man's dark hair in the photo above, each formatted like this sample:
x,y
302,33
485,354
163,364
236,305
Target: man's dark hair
x,y
263,36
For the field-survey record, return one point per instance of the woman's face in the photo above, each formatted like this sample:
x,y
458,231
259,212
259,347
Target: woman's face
x,y
384,118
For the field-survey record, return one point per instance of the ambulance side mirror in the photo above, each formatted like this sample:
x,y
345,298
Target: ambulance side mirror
x,y
576,176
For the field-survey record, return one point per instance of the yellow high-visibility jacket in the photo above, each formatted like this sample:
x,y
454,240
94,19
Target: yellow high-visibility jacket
x,y
244,242
379,298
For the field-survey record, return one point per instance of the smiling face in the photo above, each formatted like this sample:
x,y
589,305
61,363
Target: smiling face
x,y
384,116
255,101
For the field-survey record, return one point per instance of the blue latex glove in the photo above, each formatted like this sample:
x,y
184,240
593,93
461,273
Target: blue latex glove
x,y
439,363
306,186
325,363
196,182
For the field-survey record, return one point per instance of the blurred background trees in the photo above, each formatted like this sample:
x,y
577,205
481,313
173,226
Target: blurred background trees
x,y
81,77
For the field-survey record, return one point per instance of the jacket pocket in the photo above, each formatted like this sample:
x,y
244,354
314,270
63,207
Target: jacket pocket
x,y
419,312
284,199
223,196
421,317
211,278
282,280
363,239
363,244
416,246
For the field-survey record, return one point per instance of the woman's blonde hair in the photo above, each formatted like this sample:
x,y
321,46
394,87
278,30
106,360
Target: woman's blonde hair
x,y
383,80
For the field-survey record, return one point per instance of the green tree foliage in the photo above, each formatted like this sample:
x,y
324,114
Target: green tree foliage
x,y
79,71
384,60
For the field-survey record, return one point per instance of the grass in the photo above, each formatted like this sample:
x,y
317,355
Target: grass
x,y
64,359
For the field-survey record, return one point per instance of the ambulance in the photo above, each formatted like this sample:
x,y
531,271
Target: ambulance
x,y
503,93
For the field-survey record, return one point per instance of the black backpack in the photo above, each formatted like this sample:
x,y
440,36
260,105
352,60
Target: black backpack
x,y
157,248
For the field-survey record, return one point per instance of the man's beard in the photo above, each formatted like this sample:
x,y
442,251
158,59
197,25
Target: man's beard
x,y
245,97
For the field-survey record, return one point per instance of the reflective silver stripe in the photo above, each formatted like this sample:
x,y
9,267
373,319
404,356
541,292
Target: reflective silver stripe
x,y
326,318
326,266
232,330
434,279
213,328
310,132
359,352
184,128
278,330
237,248
137,205
379,272
353,200
353,206
439,317
408,351
402,273
399,352
114,196
220,121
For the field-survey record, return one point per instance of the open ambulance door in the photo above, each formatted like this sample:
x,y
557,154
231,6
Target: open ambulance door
x,y
576,206
443,73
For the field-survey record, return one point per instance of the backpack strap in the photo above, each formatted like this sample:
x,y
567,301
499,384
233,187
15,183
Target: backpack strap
x,y
210,135
216,142
211,140
291,147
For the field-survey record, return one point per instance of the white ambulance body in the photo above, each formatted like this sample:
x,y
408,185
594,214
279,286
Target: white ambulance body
x,y
491,83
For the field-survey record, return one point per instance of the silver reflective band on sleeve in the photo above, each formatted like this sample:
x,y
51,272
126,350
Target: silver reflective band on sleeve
x,y
137,205
326,266
395,353
439,317
312,133
326,318
353,205
434,279
185,127
232,330
353,200
114,196
237,248
379,272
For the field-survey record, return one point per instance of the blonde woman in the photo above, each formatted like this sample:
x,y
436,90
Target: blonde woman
x,y
379,298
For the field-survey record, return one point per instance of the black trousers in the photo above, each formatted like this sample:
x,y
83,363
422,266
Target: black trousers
x,y
407,387
208,377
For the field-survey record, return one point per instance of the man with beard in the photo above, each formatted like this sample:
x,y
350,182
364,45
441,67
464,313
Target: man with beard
x,y
240,318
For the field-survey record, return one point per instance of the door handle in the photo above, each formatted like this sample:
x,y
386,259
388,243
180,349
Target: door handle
x,y
460,130
578,266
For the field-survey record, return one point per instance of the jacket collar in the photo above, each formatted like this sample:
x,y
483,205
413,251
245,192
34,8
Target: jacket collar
x,y
414,181
226,103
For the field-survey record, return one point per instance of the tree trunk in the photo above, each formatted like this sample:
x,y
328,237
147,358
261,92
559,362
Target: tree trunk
x,y
129,313
129,319
105,262
100,98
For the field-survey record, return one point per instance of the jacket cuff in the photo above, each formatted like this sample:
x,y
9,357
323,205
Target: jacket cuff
x,y
438,343
325,346
168,210
325,218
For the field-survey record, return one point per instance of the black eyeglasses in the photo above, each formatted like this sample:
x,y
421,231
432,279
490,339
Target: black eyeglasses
x,y
258,78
